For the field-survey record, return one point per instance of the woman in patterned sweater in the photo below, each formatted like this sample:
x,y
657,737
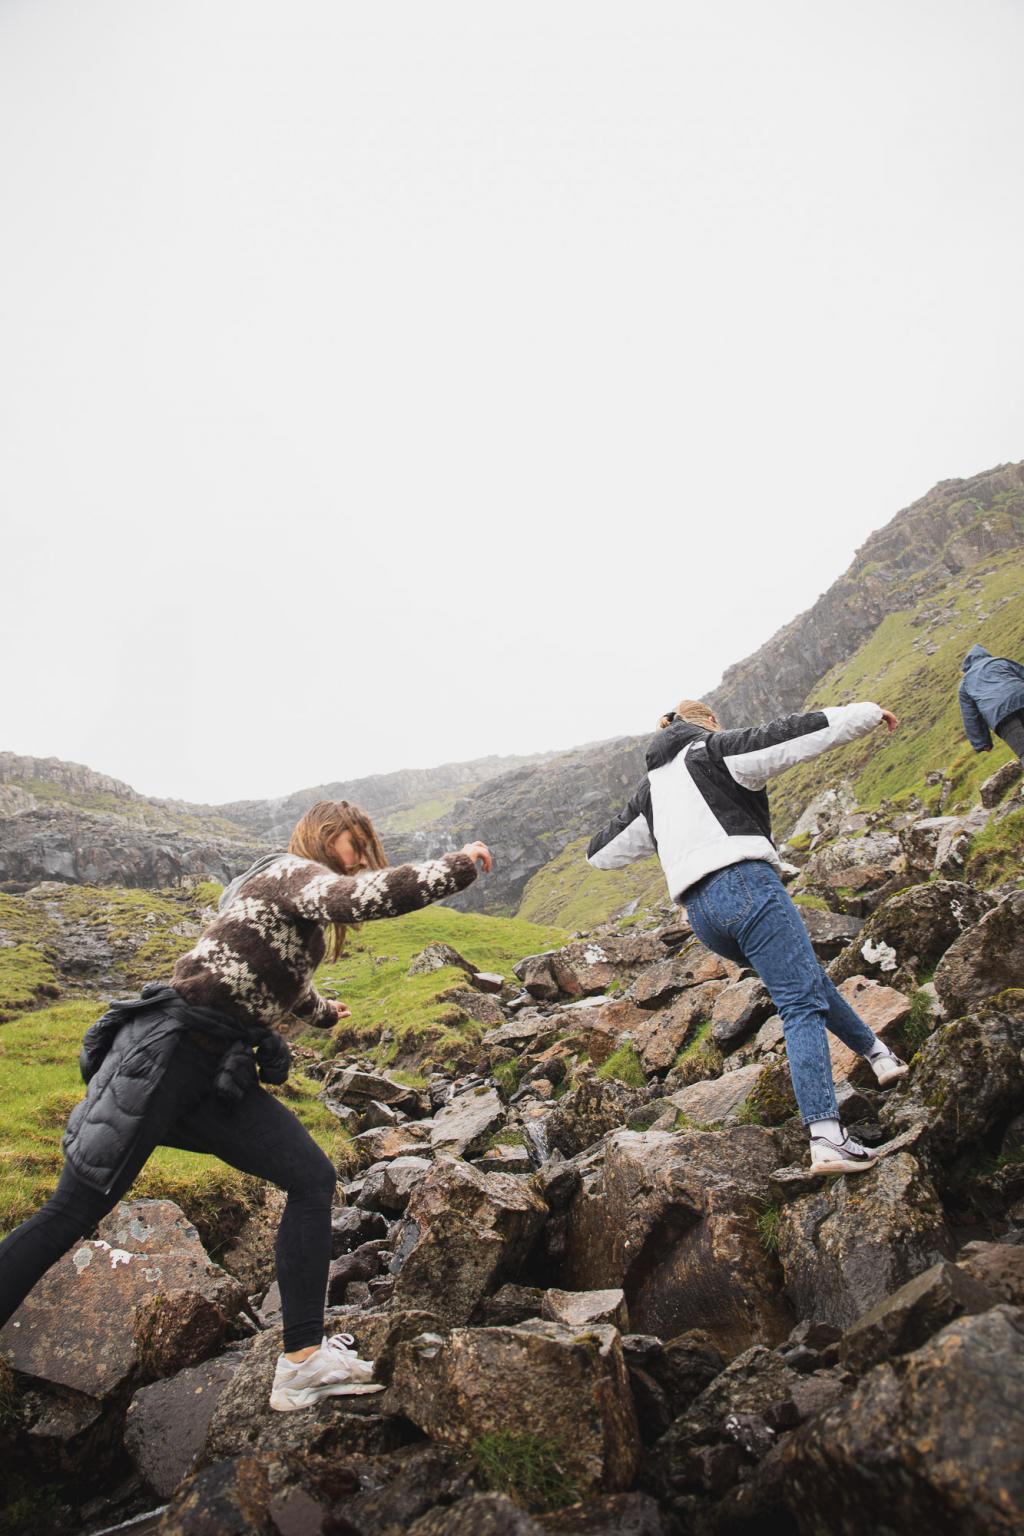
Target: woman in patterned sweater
x,y
176,1068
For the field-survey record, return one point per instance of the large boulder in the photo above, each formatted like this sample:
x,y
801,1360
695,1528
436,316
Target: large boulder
x,y
75,1328
691,966
908,1318
984,960
167,1422
858,872
672,1219
664,1032
968,1079
909,932
462,1127
739,1009
717,1099
859,1239
464,1233
588,1112
541,1379
931,1442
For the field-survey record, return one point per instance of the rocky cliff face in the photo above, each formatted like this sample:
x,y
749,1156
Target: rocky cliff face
x,y
958,524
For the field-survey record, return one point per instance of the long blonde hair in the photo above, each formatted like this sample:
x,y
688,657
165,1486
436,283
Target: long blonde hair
x,y
692,711
314,838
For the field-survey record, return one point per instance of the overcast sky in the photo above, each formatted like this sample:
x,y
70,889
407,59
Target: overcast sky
x,y
385,385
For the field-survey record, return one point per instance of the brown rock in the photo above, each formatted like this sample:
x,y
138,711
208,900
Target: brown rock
x,y
166,1423
385,1142
672,1219
985,960
883,1010
998,1267
579,1309
665,979
908,1318
481,1514
542,1379
667,1030
74,1329
716,1099
739,1009
996,785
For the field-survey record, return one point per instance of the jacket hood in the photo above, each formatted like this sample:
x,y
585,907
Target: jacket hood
x,y
232,890
975,653
663,747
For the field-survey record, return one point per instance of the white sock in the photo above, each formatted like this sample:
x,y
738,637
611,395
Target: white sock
x,y
878,1049
830,1128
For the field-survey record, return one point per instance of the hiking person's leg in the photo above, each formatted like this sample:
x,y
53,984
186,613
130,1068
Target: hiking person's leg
x,y
1012,732
75,1207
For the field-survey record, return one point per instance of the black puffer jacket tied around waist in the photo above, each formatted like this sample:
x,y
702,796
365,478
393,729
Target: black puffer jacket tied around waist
x,y
123,1059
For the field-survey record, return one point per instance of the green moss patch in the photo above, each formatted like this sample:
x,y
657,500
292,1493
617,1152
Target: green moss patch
x,y
568,891
625,1066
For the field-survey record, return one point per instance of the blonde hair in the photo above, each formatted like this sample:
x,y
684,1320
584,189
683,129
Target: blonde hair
x,y
315,835
693,712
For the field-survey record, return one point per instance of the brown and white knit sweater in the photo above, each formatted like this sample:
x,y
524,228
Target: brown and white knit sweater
x,y
256,961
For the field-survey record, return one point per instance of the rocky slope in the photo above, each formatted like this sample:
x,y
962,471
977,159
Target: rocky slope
x,y
602,1289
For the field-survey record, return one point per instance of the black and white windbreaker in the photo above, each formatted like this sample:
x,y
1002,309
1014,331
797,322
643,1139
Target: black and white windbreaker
x,y
702,803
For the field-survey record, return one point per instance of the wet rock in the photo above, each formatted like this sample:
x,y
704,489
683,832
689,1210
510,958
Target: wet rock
x,y
930,1442
599,1030
578,1309
74,1329
857,1241
908,1318
391,1494
968,1078
586,1113
739,1009
363,1264
662,1035
911,930
567,1389
250,1256
231,1498
465,1232
166,1423
672,1219
481,1514
997,784
461,1128
984,960
716,1099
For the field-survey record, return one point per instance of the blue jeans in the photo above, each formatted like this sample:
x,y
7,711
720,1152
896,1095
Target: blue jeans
x,y
744,914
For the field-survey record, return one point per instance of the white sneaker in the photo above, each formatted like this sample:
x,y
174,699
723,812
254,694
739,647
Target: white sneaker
x,y
840,1156
886,1066
332,1370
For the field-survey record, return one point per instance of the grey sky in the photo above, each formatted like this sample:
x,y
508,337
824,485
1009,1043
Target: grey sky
x,y
386,385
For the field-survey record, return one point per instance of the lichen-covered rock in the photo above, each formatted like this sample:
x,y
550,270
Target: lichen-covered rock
x,y
829,932
716,1099
480,1514
908,1318
999,1267
74,1329
968,1078
931,1442
388,1186
985,960
911,930
660,1037
567,1389
996,785
588,1112
464,1233
611,1514
857,1241
693,965
672,1219
464,1125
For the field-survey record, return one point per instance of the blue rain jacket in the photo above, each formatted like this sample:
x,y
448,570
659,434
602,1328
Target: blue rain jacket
x,y
992,688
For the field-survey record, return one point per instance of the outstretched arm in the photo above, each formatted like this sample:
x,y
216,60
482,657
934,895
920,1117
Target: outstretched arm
x,y
975,727
327,898
626,837
756,755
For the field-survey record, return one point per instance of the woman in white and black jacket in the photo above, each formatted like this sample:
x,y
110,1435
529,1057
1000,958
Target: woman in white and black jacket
x,y
703,808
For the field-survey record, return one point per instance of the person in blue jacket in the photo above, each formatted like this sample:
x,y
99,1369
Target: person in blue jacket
x,y
992,699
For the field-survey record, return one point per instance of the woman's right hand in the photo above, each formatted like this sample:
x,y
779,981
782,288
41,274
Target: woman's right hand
x,y
890,719
480,854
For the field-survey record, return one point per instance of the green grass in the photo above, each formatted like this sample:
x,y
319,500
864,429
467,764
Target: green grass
x,y
625,1066
921,690
569,892
526,1468
40,1084
996,853
768,1227
699,1058
409,817
372,980
919,1023
508,1075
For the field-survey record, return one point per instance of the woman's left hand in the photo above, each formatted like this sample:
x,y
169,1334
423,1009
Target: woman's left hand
x,y
340,1011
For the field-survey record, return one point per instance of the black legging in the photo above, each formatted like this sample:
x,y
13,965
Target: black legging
x,y
1012,731
260,1136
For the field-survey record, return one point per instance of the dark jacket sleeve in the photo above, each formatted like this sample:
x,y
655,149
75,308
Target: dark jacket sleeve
x,y
627,836
975,729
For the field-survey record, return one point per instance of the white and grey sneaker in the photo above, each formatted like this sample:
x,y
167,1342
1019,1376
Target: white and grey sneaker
x,y
886,1065
840,1154
333,1370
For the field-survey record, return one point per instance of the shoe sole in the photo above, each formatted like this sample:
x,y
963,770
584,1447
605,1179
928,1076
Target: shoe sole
x,y
289,1400
890,1077
839,1167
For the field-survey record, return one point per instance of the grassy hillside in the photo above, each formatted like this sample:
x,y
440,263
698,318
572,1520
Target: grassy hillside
x,y
569,892
911,665
139,934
